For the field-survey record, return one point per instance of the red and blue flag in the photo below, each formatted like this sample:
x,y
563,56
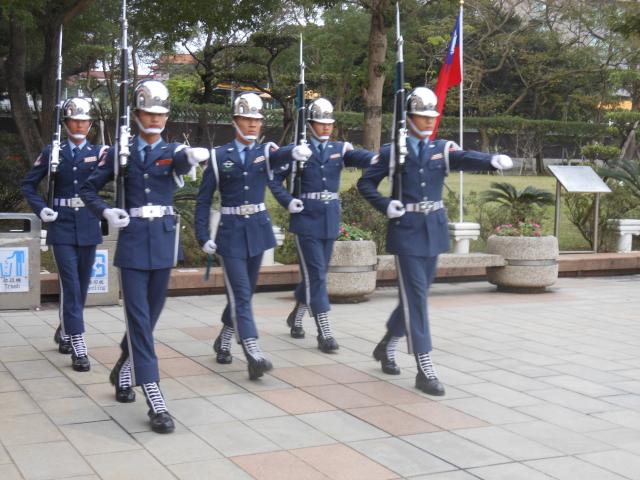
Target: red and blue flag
x,y
451,72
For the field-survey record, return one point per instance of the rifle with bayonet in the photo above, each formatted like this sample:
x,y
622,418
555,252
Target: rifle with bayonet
x,y
54,155
121,146
399,131
300,134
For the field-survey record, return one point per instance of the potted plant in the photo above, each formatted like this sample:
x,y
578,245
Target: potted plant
x,y
352,269
530,258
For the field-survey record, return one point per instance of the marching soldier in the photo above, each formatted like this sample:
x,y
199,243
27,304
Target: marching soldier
x,y
240,170
417,230
147,242
74,231
315,217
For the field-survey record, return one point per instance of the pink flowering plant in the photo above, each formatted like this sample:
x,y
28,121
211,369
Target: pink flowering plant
x,y
352,232
526,228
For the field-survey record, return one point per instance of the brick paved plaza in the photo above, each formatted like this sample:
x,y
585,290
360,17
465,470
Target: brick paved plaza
x,y
538,387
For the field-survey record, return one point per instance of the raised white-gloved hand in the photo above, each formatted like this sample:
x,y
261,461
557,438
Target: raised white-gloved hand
x,y
295,206
197,155
116,217
302,153
47,215
502,162
395,209
209,247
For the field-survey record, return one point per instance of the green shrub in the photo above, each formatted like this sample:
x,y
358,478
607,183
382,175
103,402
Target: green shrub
x,y
597,151
357,211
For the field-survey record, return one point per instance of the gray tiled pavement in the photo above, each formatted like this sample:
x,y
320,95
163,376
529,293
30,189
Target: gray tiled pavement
x,y
540,386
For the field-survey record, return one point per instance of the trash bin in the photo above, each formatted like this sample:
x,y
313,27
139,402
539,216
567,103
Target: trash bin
x,y
104,287
19,261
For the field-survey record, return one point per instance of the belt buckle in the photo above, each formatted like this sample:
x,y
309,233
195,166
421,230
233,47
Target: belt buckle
x,y
325,196
248,209
152,211
76,202
426,206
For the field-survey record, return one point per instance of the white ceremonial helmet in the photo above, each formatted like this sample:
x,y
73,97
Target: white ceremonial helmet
x,y
422,101
151,96
248,105
321,111
76,108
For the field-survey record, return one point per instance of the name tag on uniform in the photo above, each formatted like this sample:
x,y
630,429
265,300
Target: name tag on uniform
x,y
334,156
164,161
259,159
90,159
437,156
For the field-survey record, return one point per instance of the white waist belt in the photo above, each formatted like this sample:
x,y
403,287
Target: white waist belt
x,y
151,211
424,207
74,202
243,209
321,195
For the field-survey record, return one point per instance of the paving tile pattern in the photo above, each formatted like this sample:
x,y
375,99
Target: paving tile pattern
x,y
540,386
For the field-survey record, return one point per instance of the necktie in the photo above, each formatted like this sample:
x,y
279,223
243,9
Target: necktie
x,y
75,152
146,150
420,148
245,160
320,148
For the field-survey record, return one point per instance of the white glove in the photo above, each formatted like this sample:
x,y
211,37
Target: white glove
x,y
47,215
301,153
502,162
348,146
197,155
395,209
116,217
209,247
295,206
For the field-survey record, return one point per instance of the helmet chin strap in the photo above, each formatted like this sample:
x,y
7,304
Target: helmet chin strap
x,y
246,138
148,131
420,133
321,138
75,136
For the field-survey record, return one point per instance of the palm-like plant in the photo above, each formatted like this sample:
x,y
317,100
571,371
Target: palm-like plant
x,y
626,171
519,202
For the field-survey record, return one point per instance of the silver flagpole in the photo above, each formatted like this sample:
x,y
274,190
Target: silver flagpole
x,y
461,107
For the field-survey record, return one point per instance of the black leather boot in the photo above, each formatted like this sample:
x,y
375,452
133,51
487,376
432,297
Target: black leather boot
x,y
159,418
256,366
123,394
296,331
431,386
64,346
161,422
223,353
326,344
389,366
80,363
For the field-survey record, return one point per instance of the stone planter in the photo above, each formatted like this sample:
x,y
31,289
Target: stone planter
x,y
352,271
530,263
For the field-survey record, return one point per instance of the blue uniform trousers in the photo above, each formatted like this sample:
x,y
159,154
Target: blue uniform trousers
x,y
74,265
415,276
240,279
314,255
144,293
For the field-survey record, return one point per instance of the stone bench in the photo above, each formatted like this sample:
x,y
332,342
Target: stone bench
x,y
450,265
623,231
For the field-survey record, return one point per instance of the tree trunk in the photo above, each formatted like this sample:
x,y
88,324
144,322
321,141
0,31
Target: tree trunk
x,y
48,81
14,73
372,94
